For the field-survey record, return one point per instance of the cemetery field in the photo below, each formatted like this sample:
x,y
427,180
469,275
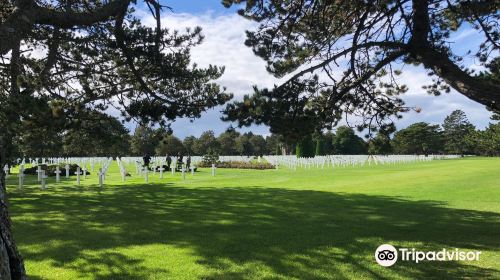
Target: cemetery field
x,y
262,224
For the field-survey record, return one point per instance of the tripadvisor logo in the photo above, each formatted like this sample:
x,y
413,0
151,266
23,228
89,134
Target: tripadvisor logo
x,y
387,255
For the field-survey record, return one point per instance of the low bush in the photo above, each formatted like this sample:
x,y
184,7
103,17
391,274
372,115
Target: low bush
x,y
239,165
50,169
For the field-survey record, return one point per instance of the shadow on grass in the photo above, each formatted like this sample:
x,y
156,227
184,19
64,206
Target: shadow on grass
x,y
293,233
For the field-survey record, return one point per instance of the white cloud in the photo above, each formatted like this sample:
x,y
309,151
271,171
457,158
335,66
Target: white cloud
x,y
224,45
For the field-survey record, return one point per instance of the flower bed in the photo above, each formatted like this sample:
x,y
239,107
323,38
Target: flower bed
x,y
239,165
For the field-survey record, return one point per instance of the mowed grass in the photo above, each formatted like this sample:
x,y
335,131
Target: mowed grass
x,y
273,224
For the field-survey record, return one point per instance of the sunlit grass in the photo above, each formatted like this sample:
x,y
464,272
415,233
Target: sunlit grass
x,y
253,224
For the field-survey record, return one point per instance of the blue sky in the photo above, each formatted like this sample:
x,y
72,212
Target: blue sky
x,y
224,34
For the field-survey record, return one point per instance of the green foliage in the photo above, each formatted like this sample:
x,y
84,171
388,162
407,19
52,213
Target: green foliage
x,y
320,147
380,145
227,142
189,143
305,147
359,47
97,135
419,138
346,142
238,165
258,144
145,140
170,145
487,142
206,144
50,169
250,222
456,129
274,144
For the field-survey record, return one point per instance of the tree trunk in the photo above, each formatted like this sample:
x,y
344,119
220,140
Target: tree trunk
x,y
11,262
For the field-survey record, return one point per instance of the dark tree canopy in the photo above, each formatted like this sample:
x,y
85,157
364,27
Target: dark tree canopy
x,y
97,54
456,128
358,48
419,138
346,142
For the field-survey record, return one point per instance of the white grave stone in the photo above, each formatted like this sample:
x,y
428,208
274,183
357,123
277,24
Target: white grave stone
x,y
161,171
67,171
43,179
21,178
39,173
101,177
6,169
58,174
78,173
213,169
146,174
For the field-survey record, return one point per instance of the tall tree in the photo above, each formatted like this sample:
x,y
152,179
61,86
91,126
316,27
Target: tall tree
x,y
346,142
486,142
145,140
456,128
98,54
96,134
380,144
274,144
206,144
189,143
305,147
227,142
419,138
258,145
243,145
359,47
170,145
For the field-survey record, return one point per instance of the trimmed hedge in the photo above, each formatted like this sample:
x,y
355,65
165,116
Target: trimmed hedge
x,y
239,165
50,169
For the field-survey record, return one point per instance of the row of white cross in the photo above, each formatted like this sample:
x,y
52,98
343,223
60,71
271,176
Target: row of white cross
x,y
331,161
42,175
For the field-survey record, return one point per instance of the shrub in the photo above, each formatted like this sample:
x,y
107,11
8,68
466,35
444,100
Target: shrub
x,y
239,165
50,169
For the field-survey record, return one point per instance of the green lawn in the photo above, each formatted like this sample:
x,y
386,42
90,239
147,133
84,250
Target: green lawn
x,y
273,224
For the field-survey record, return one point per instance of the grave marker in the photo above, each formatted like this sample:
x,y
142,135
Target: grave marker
x,y
21,178
78,173
39,173
43,178
58,174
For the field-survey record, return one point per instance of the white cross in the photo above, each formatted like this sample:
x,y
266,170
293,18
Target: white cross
x,y
67,171
6,169
173,166
58,174
21,177
124,174
101,177
192,170
183,172
77,173
213,169
43,178
161,171
39,172
146,172
84,172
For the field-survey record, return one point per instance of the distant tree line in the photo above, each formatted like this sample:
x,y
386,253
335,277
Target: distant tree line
x,y
102,135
